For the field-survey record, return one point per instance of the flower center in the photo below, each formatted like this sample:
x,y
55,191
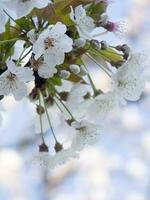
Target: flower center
x,y
11,77
49,42
36,63
110,26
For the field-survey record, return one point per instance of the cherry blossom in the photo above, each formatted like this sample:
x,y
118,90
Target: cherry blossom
x,y
13,80
87,133
128,82
53,43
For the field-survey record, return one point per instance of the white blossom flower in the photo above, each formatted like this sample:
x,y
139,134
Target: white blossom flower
x,y
24,7
87,133
13,80
128,82
53,43
102,105
85,24
44,70
46,161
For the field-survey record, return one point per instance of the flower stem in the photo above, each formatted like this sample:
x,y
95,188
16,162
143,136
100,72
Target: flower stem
x,y
100,34
41,124
26,55
19,59
90,79
103,68
69,112
7,41
48,118
13,20
58,98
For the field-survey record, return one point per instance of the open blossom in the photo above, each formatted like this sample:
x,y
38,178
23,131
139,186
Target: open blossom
x,y
53,43
87,133
128,82
13,80
102,105
120,28
24,7
85,24
46,161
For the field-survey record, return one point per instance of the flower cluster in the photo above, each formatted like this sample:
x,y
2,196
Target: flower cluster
x,y
56,38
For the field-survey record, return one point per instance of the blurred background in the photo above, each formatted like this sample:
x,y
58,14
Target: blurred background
x,y
117,167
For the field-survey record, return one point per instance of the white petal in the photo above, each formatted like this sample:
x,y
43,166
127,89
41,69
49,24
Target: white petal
x,y
54,57
38,47
58,30
25,74
20,91
65,43
46,71
79,13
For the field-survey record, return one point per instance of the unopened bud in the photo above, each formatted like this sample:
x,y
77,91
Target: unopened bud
x,y
96,44
104,45
64,74
79,43
74,69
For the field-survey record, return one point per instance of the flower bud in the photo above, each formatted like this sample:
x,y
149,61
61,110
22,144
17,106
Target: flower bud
x,y
74,69
83,71
96,44
79,42
104,45
64,74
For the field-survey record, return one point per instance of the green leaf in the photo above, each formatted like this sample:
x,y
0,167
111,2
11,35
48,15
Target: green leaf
x,y
96,9
56,80
107,54
24,23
